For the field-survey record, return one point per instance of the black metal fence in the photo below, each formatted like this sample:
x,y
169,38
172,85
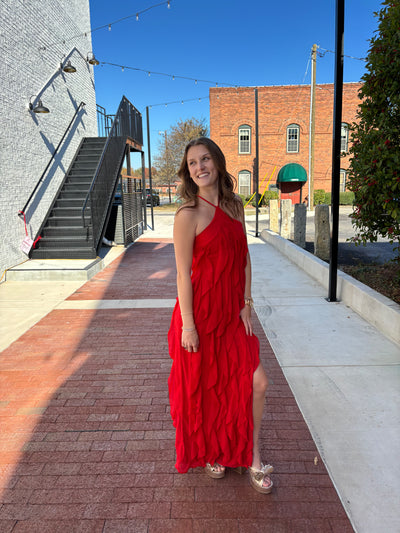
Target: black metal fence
x,y
133,218
127,124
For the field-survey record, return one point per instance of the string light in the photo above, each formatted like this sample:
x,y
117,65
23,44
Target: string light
x,y
108,25
172,76
166,104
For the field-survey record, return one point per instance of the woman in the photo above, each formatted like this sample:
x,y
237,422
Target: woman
x,y
217,383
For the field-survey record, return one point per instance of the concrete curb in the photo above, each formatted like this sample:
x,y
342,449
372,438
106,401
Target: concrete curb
x,y
375,308
64,269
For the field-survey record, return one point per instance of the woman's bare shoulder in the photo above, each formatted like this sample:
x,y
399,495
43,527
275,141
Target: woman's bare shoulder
x,y
187,213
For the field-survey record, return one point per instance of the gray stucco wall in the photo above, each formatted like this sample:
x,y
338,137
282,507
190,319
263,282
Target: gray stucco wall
x,y
34,38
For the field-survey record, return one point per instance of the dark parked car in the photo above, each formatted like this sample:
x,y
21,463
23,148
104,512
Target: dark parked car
x,y
156,198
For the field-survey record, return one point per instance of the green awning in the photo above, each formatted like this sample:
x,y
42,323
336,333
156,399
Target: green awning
x,y
292,172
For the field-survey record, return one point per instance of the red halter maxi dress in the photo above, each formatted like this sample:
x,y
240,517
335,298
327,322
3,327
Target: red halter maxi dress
x,y
211,391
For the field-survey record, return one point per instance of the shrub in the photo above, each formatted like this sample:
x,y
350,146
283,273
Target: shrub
x,y
319,196
345,198
269,195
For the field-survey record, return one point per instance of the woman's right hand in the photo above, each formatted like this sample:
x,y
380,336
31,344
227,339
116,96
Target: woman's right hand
x,y
190,340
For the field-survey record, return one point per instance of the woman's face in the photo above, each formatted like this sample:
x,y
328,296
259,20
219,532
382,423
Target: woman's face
x,y
201,166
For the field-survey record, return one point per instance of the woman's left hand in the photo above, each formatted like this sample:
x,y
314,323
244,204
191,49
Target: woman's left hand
x,y
245,315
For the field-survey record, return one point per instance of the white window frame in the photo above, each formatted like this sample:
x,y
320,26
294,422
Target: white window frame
x,y
344,137
244,174
343,179
293,144
244,143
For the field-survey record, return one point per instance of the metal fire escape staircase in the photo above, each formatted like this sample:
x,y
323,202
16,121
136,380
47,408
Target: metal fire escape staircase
x,y
76,221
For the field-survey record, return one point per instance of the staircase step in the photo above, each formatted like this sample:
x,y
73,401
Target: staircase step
x,y
69,202
82,172
85,164
65,231
76,187
66,221
69,211
64,253
79,178
94,140
73,195
64,242
92,158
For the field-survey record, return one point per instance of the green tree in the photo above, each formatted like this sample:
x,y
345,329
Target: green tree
x,y
172,146
374,173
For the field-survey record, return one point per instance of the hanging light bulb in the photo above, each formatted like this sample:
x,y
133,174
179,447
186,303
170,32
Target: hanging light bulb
x,y
137,16
109,27
122,69
149,74
168,4
195,81
182,102
173,78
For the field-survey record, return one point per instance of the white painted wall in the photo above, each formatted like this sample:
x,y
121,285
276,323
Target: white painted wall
x,y
34,37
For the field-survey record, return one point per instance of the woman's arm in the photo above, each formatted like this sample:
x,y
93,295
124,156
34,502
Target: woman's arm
x,y
184,235
245,313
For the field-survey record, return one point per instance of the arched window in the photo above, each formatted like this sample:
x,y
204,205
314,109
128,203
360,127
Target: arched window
x,y
244,139
344,138
293,138
244,183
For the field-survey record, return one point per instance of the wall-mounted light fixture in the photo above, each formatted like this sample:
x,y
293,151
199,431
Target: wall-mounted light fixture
x,y
91,59
68,67
39,107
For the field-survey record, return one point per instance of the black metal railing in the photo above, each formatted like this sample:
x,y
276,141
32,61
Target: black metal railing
x,y
127,124
23,210
104,121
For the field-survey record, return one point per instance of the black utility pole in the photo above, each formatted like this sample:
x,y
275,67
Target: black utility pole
x,y
337,125
150,178
256,165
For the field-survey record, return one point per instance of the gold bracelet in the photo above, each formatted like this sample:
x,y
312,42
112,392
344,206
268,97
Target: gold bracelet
x,y
249,301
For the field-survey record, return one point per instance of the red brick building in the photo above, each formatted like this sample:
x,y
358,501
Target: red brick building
x,y
283,123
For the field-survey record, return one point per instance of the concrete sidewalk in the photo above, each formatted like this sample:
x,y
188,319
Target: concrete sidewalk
x,y
86,438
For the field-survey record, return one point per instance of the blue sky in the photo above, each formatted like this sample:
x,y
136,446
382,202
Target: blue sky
x,y
253,42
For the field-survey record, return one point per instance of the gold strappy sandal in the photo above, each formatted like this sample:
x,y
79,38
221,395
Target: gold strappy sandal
x,y
257,478
211,470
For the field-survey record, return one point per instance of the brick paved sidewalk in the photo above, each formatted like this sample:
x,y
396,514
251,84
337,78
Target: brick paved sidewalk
x,y
87,443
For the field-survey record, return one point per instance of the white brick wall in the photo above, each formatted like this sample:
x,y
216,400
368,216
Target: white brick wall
x,y
27,140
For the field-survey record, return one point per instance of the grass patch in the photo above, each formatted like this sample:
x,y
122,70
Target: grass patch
x,y
384,279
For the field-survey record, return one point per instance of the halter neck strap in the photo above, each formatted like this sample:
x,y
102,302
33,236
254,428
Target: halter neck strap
x,y
198,196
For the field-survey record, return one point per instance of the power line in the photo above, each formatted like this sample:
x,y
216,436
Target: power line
x,y
333,52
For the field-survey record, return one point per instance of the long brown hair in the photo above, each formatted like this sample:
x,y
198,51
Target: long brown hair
x,y
188,190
